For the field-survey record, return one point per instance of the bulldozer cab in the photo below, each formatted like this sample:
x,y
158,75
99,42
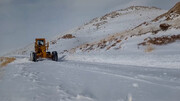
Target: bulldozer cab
x,y
40,45
40,42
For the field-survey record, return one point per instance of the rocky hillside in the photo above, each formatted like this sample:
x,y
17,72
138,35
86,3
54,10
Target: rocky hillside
x,y
160,31
104,28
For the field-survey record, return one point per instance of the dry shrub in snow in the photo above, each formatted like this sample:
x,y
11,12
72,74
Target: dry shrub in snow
x,y
114,44
149,48
68,36
163,40
99,24
102,44
6,60
111,46
53,41
164,26
110,15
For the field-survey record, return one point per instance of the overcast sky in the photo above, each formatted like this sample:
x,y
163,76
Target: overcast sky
x,y
21,21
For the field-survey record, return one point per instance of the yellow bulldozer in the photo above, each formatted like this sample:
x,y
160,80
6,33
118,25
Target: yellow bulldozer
x,y
41,51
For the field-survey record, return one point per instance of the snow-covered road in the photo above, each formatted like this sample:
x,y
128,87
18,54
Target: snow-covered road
x,y
84,81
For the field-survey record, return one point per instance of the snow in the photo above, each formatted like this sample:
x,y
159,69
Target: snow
x,y
125,74
85,81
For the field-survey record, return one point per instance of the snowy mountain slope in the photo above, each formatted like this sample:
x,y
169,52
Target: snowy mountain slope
x,y
153,27
100,28
152,43
108,24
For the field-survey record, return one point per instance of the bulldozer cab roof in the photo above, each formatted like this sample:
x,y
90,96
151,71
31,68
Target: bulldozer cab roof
x,y
40,39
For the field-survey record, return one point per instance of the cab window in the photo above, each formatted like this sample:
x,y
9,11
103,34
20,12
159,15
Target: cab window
x,y
40,42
